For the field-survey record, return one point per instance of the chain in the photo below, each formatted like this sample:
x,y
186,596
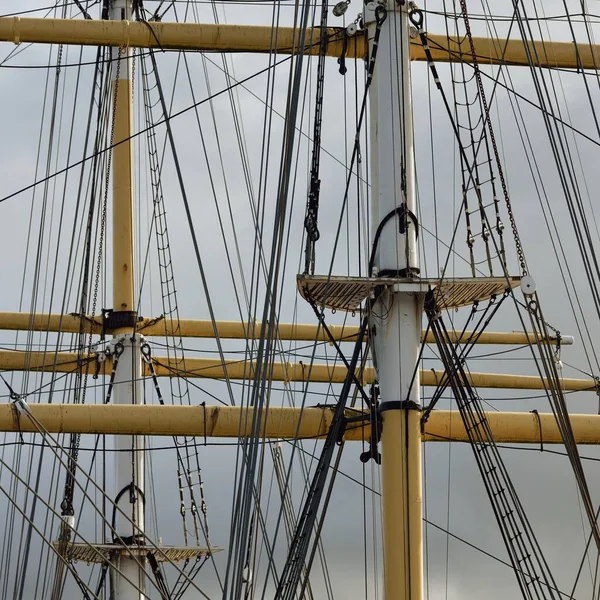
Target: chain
x,y
513,224
532,308
147,358
416,18
380,17
133,61
312,207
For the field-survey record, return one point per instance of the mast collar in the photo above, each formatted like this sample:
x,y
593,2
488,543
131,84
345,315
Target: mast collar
x,y
399,405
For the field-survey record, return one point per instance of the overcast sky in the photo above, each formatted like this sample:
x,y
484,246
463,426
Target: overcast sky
x,y
454,495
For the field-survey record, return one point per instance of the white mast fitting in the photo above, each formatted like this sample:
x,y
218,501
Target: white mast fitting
x,y
128,578
396,315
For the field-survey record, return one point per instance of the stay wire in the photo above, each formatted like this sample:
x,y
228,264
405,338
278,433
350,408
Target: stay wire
x,y
172,116
57,448
260,390
523,548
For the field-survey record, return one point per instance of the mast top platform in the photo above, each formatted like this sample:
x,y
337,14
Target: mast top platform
x,y
348,293
103,553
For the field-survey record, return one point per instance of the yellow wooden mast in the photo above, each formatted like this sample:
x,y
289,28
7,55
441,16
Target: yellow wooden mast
x,y
129,578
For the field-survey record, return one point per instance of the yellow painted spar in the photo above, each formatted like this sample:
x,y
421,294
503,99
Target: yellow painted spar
x,y
199,328
259,39
401,504
206,37
67,362
278,423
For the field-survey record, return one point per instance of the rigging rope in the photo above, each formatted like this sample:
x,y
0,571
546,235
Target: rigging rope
x,y
175,350
416,18
292,570
312,206
531,569
243,526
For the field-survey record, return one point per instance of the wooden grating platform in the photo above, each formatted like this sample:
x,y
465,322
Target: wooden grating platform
x,y
348,293
102,553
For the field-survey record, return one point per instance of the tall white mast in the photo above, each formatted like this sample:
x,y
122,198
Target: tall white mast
x,y
396,316
128,579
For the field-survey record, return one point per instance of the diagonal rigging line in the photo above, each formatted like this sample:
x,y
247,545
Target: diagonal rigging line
x,y
467,347
565,169
488,554
534,577
171,310
552,381
188,213
274,111
146,129
260,391
57,515
561,412
290,577
512,91
56,448
428,522
84,588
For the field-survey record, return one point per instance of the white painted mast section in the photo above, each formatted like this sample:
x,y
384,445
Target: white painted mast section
x,y
396,317
128,579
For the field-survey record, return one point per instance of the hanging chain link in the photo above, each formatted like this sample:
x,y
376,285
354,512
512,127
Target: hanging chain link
x,y
487,116
416,18
118,351
312,207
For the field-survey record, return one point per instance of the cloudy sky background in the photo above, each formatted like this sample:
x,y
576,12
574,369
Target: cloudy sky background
x,y
454,495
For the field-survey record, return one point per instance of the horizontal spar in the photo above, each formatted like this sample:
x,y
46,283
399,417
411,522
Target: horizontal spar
x,y
207,37
202,328
278,423
260,39
210,368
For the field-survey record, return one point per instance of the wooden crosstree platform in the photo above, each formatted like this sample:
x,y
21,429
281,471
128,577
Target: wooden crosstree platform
x,y
103,553
348,293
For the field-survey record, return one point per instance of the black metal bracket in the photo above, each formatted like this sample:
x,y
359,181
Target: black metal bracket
x,y
399,405
376,425
118,319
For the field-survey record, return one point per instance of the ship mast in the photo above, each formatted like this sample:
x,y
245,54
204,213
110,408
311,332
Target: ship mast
x,y
128,579
396,315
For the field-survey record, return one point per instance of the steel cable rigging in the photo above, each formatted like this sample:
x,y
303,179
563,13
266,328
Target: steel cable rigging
x,y
531,569
546,357
243,524
296,571
312,206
